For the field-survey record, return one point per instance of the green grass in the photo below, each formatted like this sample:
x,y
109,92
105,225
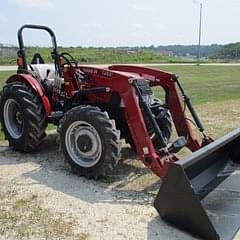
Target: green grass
x,y
202,83
208,83
97,56
4,76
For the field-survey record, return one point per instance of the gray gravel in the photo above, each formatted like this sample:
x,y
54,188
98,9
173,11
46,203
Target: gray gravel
x,y
119,207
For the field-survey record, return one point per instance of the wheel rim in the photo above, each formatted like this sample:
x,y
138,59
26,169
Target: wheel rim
x,y
83,144
13,118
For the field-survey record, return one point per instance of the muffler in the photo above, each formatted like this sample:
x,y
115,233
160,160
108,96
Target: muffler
x,y
201,193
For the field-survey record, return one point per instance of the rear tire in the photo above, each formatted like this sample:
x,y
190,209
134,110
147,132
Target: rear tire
x,y
22,116
89,141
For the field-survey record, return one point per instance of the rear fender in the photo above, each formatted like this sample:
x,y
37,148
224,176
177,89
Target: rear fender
x,y
36,86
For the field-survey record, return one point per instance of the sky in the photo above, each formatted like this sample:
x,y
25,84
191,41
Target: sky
x,y
121,23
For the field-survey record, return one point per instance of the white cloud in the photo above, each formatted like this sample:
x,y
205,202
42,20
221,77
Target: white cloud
x,y
43,4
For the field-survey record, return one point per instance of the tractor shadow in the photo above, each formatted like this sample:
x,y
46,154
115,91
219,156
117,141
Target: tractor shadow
x,y
129,183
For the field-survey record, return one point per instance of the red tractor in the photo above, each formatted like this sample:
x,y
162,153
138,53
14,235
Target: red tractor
x,y
95,107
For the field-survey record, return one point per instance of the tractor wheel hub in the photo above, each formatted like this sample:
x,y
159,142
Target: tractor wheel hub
x,y
84,143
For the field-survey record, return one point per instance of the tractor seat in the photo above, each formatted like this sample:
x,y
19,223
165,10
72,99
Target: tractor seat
x,y
42,69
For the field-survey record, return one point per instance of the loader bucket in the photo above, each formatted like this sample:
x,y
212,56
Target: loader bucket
x,y
201,193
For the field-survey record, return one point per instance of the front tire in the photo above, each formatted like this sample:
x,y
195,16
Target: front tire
x,y
89,141
22,116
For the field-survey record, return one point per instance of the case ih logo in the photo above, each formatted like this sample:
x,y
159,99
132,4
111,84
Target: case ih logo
x,y
90,70
94,71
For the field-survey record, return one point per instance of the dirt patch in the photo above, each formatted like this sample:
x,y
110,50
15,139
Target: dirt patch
x,y
24,218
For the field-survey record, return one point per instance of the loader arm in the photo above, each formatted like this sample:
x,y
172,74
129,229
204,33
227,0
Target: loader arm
x,y
123,82
123,85
174,100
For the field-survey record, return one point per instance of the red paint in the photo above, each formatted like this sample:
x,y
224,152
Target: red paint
x,y
119,79
175,103
36,86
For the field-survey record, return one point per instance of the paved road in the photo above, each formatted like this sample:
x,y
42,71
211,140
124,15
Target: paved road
x,y
13,68
8,68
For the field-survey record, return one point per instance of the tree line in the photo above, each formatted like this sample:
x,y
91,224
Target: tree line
x,y
228,51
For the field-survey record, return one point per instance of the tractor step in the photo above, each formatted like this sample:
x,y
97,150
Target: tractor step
x,y
203,176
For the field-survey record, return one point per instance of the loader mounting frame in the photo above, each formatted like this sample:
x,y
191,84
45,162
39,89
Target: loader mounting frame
x,y
159,162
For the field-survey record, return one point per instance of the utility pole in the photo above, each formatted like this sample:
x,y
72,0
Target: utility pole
x,y
200,35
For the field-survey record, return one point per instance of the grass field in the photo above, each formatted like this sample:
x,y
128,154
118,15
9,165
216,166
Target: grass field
x,y
97,56
4,76
208,83
204,84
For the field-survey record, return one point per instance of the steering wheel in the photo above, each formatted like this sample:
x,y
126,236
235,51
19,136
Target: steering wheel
x,y
69,59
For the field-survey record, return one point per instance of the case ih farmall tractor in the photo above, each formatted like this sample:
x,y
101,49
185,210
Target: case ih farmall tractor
x,y
95,107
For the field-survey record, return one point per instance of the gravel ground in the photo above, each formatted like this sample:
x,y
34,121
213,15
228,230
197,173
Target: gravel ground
x,y
119,207
46,201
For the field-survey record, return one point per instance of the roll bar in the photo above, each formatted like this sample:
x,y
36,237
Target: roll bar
x,y
22,48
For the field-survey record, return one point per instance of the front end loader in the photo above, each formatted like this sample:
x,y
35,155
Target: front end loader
x,y
95,107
